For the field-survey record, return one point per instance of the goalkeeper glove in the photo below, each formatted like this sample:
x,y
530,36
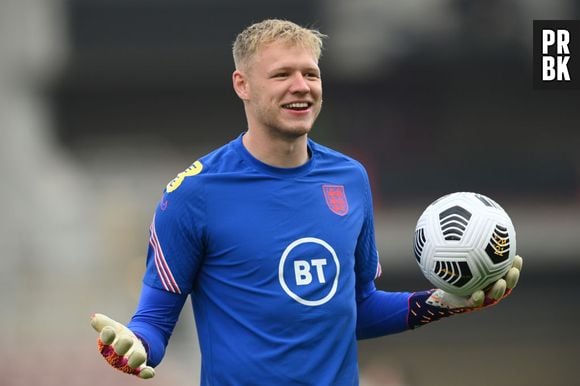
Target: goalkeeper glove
x,y
429,306
121,347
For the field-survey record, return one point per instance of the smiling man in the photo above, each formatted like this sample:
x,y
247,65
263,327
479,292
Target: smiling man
x,y
272,236
279,82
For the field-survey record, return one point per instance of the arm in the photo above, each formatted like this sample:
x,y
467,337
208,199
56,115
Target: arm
x,y
155,319
382,313
173,257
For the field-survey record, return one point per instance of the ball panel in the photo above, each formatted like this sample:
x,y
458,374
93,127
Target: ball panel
x,y
419,243
499,245
454,272
453,222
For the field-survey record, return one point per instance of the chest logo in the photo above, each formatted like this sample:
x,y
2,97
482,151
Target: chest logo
x,y
335,197
308,271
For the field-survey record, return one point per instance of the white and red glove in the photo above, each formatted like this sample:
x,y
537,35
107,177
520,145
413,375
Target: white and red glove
x,y
429,306
120,347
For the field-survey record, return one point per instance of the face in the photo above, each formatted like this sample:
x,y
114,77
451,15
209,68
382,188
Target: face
x,y
281,89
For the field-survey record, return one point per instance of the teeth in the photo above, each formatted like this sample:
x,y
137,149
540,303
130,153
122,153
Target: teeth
x,y
297,105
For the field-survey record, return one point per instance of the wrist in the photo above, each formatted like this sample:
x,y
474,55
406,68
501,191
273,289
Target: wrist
x,y
427,306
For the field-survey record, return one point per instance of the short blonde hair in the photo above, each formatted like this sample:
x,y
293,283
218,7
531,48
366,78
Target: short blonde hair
x,y
249,41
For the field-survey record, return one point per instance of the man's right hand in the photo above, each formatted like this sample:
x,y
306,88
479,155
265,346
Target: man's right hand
x,y
120,347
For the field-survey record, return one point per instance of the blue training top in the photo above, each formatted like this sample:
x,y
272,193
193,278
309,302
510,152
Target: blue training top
x,y
276,261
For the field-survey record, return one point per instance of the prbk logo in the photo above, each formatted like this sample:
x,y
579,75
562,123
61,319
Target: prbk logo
x,y
308,271
557,54
555,67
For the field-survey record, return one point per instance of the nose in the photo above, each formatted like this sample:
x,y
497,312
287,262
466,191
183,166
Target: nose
x,y
299,84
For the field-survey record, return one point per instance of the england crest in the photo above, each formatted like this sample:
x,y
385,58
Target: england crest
x,y
336,199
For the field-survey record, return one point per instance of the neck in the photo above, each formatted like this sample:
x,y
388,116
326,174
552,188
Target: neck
x,y
278,152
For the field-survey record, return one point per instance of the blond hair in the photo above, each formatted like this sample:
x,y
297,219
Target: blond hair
x,y
250,40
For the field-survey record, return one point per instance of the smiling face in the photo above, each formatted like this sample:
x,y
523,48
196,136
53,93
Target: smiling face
x,y
281,89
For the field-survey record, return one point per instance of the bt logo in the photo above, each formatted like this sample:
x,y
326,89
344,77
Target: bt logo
x,y
309,270
302,271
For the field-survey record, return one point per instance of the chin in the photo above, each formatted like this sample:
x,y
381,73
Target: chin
x,y
297,128
293,132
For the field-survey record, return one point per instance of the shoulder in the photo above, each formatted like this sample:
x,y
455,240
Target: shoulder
x,y
224,159
330,158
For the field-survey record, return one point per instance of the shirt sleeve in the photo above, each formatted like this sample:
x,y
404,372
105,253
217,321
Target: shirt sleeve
x,y
382,313
176,248
176,241
378,312
155,319
367,265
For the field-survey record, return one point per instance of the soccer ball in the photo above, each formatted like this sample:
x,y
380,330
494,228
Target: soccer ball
x,y
464,242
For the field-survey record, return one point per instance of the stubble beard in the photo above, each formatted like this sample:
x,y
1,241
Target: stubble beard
x,y
287,130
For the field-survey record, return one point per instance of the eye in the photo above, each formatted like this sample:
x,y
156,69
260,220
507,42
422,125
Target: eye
x,y
280,75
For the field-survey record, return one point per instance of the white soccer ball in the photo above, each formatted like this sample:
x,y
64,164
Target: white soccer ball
x,y
464,242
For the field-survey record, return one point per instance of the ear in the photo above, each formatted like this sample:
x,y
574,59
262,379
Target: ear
x,y
241,86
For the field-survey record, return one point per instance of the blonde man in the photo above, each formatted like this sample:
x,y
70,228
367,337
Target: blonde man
x,y
272,235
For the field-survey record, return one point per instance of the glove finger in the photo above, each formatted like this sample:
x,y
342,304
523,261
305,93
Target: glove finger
x,y
100,321
497,290
146,372
477,298
108,351
136,359
512,277
122,345
108,335
518,262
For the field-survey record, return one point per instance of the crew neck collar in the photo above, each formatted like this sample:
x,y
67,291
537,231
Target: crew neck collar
x,y
274,170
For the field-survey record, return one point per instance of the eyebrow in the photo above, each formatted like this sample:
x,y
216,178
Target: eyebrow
x,y
291,68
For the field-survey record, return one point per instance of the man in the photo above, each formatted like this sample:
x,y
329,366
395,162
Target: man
x,y
273,237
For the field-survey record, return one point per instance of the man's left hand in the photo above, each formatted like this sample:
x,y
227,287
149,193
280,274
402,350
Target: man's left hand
x,y
429,306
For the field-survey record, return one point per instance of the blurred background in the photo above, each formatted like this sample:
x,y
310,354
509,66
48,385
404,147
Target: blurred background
x,y
103,102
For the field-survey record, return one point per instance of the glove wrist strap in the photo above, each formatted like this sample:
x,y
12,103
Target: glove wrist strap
x,y
422,311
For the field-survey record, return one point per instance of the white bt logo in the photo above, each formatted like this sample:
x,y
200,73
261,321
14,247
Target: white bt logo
x,y
313,270
302,271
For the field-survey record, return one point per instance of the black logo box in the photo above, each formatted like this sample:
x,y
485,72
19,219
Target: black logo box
x,y
573,28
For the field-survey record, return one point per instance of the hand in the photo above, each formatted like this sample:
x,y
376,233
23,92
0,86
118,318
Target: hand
x,y
432,305
120,347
